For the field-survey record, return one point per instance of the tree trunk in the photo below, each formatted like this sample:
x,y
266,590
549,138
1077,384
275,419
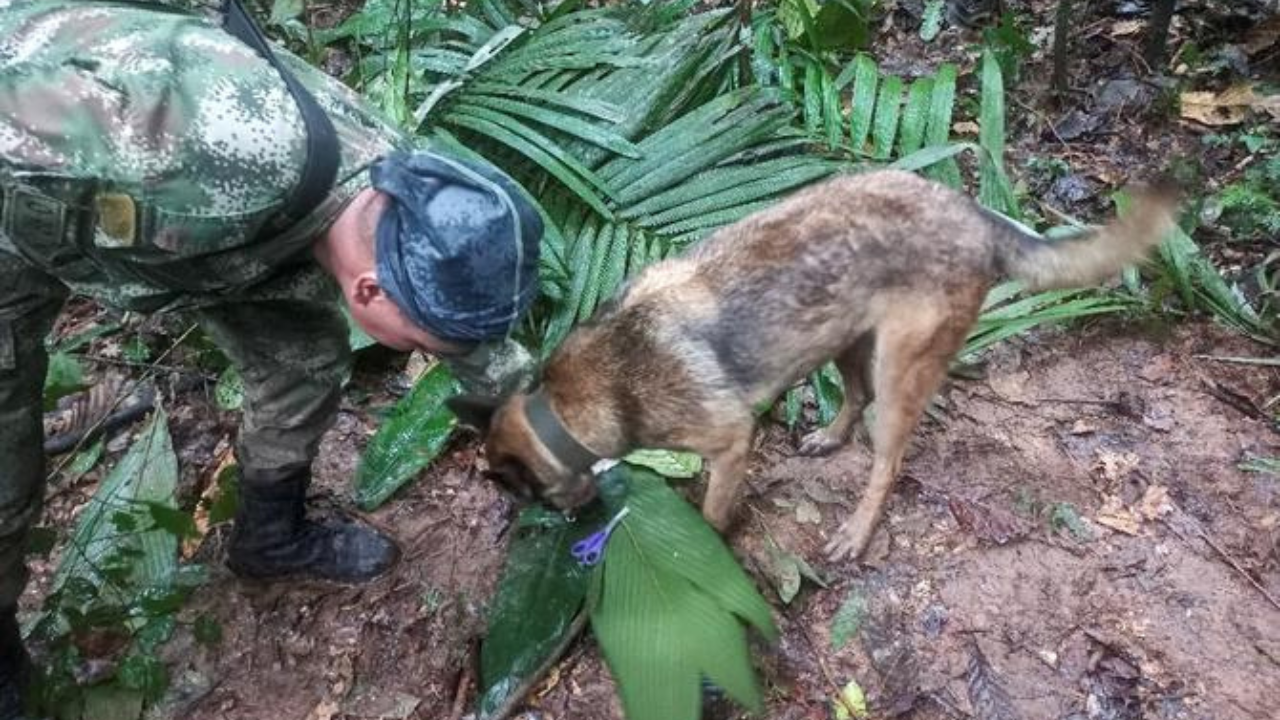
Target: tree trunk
x,y
1060,43
1158,31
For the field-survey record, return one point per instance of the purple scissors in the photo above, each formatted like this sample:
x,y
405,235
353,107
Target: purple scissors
x,y
591,550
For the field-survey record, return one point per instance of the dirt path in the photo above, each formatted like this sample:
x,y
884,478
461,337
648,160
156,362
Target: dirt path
x,y
1075,618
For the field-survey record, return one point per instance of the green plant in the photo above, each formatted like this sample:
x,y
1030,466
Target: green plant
x,y
667,605
117,591
1009,43
1251,206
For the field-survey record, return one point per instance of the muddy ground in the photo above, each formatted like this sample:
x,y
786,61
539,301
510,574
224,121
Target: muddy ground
x,y
1074,515
1072,532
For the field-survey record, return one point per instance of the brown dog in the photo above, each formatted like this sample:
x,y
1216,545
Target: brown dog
x,y
882,272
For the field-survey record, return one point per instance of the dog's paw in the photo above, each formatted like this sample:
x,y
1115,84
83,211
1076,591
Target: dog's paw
x,y
848,544
819,442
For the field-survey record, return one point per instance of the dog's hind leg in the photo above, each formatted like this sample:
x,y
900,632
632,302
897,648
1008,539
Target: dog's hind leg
x,y
913,350
855,366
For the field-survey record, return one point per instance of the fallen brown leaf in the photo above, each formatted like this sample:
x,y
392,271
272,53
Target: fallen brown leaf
x,y
1155,502
1114,466
1229,107
1263,35
988,524
1115,515
1127,27
226,456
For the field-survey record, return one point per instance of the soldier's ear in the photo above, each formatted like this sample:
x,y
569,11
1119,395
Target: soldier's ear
x,y
474,410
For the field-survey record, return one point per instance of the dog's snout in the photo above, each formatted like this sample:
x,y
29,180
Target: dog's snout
x,y
572,496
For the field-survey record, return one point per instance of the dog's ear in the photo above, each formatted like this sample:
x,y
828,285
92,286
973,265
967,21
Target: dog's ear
x,y
474,410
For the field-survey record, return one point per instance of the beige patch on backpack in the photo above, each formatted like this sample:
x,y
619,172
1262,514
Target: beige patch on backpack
x,y
117,224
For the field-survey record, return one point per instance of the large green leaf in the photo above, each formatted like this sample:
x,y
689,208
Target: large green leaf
x,y
414,434
938,131
1005,317
994,189
915,116
541,591
144,478
677,539
884,127
866,81
666,613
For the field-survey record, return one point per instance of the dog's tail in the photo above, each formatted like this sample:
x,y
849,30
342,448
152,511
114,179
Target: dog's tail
x,y
1091,256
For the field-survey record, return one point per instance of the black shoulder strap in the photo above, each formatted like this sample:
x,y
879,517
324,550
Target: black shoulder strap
x,y
320,168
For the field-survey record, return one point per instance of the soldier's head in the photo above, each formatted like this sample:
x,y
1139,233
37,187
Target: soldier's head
x,y
440,255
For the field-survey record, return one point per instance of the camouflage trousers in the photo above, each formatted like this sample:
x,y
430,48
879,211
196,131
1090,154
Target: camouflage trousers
x,y
293,356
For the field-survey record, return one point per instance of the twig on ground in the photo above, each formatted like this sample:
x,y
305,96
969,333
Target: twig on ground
x,y
1237,400
1268,362
124,393
465,681
1225,556
145,365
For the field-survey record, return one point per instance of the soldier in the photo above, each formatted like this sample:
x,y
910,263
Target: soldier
x,y
152,160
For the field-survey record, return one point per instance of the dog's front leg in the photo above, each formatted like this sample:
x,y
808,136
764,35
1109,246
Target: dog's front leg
x,y
728,468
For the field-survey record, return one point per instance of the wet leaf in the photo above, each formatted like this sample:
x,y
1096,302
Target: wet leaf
x,y
852,702
41,541
848,619
207,631
80,339
541,591
135,350
171,520
112,702
64,377
793,405
677,465
828,390
986,694
156,632
1064,516
842,25
284,10
412,437
145,674
84,461
1217,109
931,24
227,499
989,524
807,512
1113,514
147,474
672,603
229,392
787,570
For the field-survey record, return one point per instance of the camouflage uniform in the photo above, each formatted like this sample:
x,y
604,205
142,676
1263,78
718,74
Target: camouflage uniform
x,y
140,152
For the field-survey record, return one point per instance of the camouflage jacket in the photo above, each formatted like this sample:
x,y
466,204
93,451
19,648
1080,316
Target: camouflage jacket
x,y
142,147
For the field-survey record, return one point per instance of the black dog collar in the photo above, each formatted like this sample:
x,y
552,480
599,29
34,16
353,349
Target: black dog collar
x,y
552,433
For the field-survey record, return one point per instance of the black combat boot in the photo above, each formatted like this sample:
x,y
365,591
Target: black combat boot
x,y
14,667
272,537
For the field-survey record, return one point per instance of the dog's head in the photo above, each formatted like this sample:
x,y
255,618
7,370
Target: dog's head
x,y
518,460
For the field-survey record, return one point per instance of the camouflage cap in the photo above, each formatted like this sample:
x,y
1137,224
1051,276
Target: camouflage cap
x,y
457,246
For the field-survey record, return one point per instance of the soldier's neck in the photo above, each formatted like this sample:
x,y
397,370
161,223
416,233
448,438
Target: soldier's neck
x,y
347,249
